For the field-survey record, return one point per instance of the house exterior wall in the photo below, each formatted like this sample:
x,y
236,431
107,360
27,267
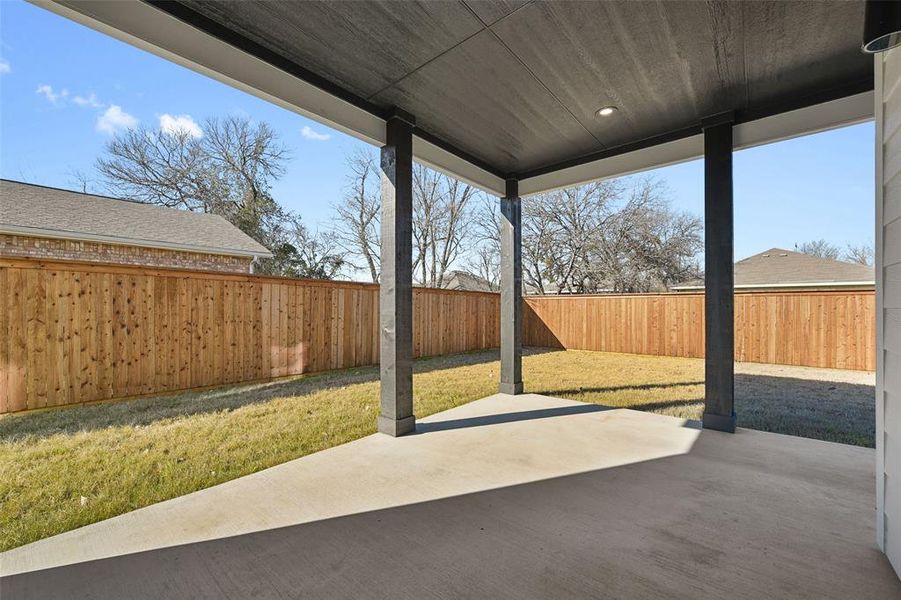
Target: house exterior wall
x,y
888,304
18,246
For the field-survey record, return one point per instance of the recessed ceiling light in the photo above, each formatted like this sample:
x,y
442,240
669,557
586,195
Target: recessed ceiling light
x,y
607,111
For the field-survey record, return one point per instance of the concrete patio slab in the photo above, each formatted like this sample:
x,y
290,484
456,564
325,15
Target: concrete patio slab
x,y
524,496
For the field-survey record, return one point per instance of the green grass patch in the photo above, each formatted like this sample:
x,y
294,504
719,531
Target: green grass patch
x,y
70,467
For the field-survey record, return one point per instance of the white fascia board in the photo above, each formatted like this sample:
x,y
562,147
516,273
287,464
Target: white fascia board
x,y
441,160
661,155
150,29
842,112
803,121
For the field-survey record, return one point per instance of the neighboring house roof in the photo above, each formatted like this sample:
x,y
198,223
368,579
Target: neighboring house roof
x,y
461,280
35,210
778,268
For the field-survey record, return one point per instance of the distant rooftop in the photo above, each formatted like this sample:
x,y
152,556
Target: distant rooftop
x,y
784,268
35,210
463,280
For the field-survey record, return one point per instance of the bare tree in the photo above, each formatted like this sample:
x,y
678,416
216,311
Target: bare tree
x,y
81,180
300,253
226,169
861,254
441,219
441,211
603,236
426,198
540,253
577,217
162,168
357,214
244,157
820,248
485,263
646,245
484,260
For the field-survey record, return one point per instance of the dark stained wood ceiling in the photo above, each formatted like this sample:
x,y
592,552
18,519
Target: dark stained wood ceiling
x,y
516,84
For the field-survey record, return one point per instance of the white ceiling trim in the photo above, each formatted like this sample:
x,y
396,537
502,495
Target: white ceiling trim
x,y
439,159
803,121
661,155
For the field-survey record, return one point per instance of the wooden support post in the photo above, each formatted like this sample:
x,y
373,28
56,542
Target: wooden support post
x,y
396,279
511,290
719,293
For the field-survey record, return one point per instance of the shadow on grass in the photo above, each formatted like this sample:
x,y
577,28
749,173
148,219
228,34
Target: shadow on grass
x,y
826,410
145,411
620,388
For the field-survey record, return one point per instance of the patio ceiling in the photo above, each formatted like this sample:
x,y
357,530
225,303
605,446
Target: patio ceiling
x,y
517,84
511,88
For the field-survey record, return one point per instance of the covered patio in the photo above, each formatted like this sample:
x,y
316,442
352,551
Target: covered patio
x,y
505,497
519,495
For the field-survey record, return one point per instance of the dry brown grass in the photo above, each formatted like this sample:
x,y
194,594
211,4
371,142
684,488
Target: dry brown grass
x,y
66,468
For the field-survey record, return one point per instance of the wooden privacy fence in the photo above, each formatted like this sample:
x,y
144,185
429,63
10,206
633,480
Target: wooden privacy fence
x,y
75,332
808,328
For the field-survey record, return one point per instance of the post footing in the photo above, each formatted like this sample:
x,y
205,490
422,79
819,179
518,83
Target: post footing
x,y
397,427
719,422
511,388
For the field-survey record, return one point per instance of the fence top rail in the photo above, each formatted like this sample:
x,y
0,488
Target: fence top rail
x,y
803,292
175,272
612,295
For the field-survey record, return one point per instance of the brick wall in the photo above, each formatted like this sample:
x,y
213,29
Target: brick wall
x,y
57,249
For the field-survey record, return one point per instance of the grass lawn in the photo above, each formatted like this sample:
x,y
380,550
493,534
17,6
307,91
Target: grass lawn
x,y
66,468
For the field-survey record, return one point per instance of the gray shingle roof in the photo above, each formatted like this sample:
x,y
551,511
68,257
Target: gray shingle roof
x,y
28,209
462,280
777,267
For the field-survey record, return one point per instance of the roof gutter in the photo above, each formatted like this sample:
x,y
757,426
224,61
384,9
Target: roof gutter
x,y
8,229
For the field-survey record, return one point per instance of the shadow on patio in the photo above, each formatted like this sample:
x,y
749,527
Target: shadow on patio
x,y
560,500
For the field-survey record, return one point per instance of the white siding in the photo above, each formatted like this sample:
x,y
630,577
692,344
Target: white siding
x,y
888,303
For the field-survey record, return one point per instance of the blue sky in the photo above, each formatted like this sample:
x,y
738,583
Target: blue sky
x,y
64,87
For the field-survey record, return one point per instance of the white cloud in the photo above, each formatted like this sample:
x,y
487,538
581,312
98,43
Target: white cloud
x,y
309,134
180,124
114,119
89,100
4,66
52,97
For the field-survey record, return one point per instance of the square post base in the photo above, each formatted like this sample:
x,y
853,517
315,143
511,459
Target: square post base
x,y
719,422
397,427
510,388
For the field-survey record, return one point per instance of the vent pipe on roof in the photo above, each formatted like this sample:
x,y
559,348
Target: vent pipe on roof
x,y
881,26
